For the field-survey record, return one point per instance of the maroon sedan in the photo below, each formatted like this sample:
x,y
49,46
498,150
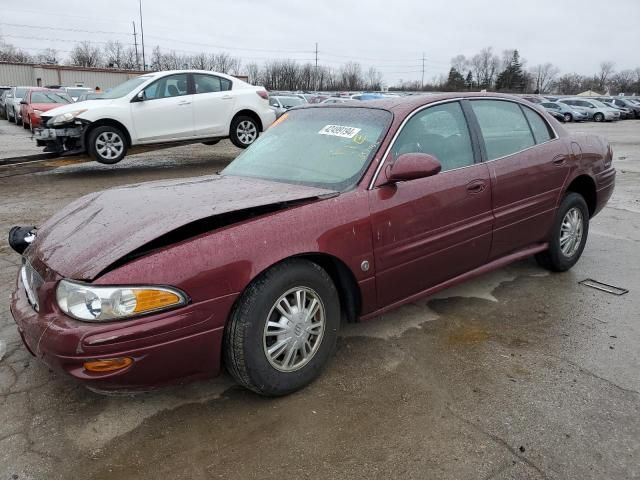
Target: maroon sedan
x,y
337,213
37,101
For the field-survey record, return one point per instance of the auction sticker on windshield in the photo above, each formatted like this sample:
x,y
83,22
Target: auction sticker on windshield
x,y
339,131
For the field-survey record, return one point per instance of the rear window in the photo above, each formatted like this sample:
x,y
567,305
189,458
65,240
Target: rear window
x,y
541,130
49,97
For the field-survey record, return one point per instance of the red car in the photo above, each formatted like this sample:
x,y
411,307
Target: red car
x,y
37,101
337,213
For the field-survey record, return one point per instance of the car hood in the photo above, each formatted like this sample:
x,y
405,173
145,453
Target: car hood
x,y
44,106
93,232
74,107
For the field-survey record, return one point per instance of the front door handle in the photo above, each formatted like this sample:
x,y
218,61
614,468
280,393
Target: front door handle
x,y
476,186
227,97
184,103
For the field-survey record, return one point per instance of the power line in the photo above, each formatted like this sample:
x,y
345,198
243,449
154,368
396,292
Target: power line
x,y
79,30
60,39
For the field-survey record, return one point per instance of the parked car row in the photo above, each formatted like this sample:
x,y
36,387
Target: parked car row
x,y
598,109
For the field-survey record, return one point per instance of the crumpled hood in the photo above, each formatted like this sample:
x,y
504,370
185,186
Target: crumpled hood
x,y
93,232
74,107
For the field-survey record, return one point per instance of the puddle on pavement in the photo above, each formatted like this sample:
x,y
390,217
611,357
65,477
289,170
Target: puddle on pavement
x,y
467,334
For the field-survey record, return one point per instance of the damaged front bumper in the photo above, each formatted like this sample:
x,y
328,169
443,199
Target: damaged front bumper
x,y
67,138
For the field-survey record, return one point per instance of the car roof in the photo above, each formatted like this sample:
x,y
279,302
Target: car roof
x,y
404,105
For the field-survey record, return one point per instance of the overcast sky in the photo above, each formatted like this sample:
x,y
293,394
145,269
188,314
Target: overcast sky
x,y
576,35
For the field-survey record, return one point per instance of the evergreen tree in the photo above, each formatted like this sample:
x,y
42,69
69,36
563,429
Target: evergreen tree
x,y
468,82
456,81
512,78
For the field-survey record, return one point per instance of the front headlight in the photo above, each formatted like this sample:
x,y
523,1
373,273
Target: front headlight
x,y
65,117
37,112
100,304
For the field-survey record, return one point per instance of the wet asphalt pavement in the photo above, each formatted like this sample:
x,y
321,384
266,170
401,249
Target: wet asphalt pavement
x,y
519,374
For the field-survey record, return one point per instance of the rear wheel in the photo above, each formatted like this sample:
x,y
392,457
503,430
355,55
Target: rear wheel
x,y
598,117
283,330
107,144
25,123
244,131
569,235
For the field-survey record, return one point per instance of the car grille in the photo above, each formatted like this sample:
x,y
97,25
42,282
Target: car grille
x,y
32,281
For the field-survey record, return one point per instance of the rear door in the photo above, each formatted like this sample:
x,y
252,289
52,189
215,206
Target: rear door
x,y
213,105
428,230
527,172
166,113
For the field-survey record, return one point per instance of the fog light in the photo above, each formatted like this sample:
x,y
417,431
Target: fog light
x,y
108,364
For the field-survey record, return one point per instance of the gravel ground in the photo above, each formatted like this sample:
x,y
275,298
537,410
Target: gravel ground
x,y
518,374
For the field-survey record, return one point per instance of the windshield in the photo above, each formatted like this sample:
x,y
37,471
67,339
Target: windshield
x,y
598,103
49,97
20,91
76,92
124,88
321,147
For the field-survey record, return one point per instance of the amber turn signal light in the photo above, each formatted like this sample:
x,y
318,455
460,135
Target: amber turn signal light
x,y
108,364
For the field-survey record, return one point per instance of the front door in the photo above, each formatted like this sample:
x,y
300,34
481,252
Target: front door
x,y
428,230
166,113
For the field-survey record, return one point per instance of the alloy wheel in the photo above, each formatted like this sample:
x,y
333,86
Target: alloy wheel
x,y
247,132
294,329
571,232
109,145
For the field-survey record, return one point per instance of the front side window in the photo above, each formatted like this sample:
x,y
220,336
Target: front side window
x,y
440,131
504,127
210,83
169,86
541,130
322,147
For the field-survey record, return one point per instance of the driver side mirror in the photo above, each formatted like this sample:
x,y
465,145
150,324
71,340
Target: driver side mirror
x,y
23,102
411,166
140,96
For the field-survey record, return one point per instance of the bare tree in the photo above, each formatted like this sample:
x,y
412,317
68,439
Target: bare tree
x,y
606,70
484,66
49,56
543,76
114,54
623,82
351,76
253,72
374,79
84,54
570,84
460,63
9,53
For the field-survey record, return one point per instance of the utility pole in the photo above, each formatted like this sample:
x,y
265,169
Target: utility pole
x,y
144,62
135,42
422,82
316,82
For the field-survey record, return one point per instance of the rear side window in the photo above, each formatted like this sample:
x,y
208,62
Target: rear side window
x,y
210,83
541,130
504,127
440,131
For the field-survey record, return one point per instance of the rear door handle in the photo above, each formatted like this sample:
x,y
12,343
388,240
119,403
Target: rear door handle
x,y
559,161
227,97
184,103
476,186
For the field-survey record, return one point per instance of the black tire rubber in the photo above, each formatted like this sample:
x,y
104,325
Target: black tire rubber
x,y
25,125
598,117
553,259
233,136
18,120
211,142
243,349
568,117
91,144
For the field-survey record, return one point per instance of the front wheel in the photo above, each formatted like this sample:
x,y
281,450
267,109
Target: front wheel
x,y
25,123
244,131
107,144
568,117
598,117
283,330
568,236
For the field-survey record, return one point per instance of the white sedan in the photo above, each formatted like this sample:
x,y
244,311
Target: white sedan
x,y
176,106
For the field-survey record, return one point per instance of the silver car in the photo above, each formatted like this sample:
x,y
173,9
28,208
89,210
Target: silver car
x,y
281,103
12,106
598,111
569,113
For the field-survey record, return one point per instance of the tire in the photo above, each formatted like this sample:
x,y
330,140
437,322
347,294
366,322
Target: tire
x,y
211,142
18,120
24,124
568,117
598,117
247,337
563,254
244,131
107,144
